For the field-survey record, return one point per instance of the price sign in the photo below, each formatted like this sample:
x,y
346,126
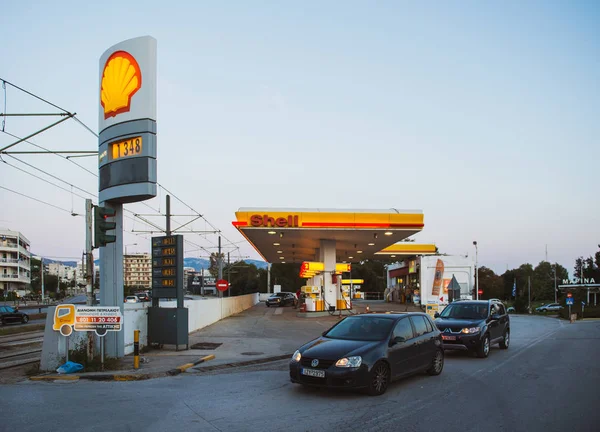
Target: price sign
x,y
167,266
126,147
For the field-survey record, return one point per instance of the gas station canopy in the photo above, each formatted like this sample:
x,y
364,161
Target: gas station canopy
x,y
295,235
407,249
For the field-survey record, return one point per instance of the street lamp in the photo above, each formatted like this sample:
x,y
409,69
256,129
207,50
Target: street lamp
x,y
476,271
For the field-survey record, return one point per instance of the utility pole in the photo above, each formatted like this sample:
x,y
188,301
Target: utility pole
x,y
269,278
168,216
476,271
220,263
42,270
555,288
89,270
228,276
529,288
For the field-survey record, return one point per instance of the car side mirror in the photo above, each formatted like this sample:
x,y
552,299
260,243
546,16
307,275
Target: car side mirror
x,y
396,340
436,315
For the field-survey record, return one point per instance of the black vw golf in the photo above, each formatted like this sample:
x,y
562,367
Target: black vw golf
x,y
369,351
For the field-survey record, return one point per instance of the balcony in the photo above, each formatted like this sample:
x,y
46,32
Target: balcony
x,y
6,246
14,278
9,261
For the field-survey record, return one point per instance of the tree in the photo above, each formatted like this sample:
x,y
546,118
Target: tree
x,y
374,274
287,275
491,284
214,263
244,277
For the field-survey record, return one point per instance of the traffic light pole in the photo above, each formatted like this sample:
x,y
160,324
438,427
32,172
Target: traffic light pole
x,y
111,280
89,270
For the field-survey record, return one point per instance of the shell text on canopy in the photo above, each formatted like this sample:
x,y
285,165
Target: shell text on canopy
x,y
121,79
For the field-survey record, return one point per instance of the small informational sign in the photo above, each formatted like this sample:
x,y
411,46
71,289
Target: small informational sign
x,y
569,301
99,319
431,309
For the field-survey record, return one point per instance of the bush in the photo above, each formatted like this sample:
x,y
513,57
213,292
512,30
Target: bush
x,y
588,312
521,304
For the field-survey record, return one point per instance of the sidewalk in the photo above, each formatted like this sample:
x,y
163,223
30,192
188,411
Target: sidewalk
x,y
259,334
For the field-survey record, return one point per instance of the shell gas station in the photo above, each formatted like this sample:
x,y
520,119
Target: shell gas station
x,y
327,241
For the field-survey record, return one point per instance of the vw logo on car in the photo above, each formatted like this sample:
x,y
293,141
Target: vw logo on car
x,y
314,363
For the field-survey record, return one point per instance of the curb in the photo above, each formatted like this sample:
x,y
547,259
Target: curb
x,y
186,366
103,377
55,378
245,363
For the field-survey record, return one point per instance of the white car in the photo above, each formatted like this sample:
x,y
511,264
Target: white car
x,y
549,307
131,299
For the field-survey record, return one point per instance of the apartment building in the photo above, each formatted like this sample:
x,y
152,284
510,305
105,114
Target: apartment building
x,y
137,270
15,261
64,273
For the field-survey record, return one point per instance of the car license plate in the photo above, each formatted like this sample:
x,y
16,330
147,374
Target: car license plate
x,y
444,337
314,373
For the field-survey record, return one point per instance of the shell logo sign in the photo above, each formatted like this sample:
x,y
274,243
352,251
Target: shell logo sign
x,y
121,79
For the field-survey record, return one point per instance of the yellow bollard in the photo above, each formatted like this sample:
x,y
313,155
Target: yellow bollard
x,y
136,349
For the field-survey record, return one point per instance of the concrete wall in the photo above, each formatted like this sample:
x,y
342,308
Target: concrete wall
x,y
202,313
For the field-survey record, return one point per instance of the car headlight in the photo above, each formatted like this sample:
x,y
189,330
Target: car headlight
x,y
470,330
297,356
354,361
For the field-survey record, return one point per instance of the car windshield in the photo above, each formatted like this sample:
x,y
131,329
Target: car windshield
x,y
280,295
465,311
365,328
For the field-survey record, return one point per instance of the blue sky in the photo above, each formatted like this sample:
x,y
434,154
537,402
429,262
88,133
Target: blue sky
x,y
483,114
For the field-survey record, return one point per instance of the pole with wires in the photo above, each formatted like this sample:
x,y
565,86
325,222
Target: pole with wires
x,y
89,273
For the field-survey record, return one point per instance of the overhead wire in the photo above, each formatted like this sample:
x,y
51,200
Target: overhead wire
x,y
85,126
43,179
52,152
38,200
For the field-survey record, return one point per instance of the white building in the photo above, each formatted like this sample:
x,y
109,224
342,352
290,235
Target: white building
x,y
15,261
64,273
137,270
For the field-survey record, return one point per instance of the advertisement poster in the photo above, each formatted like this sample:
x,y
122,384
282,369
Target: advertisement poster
x,y
412,266
438,278
446,283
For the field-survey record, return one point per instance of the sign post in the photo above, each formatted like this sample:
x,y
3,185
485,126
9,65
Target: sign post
x,y
167,325
570,303
127,149
98,319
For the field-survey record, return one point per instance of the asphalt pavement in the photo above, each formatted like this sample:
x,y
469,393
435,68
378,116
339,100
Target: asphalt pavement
x,y
548,380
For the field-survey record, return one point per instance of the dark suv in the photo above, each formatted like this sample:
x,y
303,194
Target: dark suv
x,y
474,325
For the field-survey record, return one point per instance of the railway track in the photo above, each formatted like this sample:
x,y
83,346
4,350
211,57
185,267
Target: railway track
x,y
20,349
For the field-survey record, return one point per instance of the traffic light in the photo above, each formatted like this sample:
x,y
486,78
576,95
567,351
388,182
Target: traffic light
x,y
101,226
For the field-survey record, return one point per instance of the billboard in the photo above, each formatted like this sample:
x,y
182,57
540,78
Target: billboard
x,y
127,121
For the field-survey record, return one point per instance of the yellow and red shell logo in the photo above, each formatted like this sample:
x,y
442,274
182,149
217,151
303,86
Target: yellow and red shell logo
x,y
121,79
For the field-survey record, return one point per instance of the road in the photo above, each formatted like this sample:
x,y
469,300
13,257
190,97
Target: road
x,y
547,381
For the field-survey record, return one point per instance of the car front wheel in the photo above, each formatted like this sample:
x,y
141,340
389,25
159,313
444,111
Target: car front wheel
x,y
25,319
484,347
379,379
